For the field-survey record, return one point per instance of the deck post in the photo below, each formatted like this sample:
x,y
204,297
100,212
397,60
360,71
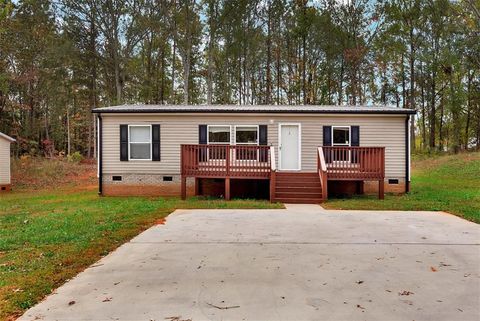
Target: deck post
x,y
227,188
197,186
381,194
184,187
272,187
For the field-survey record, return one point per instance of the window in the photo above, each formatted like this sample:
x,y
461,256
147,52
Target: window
x,y
341,136
140,142
218,134
246,135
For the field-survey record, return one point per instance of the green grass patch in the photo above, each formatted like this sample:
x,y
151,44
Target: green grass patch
x,y
47,238
440,183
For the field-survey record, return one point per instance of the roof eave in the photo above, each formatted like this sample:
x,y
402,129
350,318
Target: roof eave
x,y
8,138
207,111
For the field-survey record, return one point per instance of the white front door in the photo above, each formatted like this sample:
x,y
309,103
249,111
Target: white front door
x,y
289,146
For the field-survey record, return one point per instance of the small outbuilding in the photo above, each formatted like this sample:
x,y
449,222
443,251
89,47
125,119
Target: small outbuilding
x,y
5,177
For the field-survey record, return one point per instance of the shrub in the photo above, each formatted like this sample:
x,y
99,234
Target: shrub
x,y
75,157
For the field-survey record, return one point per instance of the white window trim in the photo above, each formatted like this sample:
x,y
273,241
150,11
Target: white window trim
x,y
349,136
221,143
299,146
251,144
149,142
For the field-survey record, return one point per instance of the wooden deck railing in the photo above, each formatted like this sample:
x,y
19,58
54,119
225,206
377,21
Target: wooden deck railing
x,y
220,161
356,163
349,163
322,172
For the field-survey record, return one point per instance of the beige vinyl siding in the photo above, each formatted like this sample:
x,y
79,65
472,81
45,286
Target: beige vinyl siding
x,y
375,130
4,161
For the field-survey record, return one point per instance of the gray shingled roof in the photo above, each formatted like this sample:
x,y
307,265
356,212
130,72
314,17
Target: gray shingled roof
x,y
274,109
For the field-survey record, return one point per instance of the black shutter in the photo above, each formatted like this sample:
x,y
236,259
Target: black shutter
x,y
263,140
355,135
123,143
202,140
327,141
156,143
327,135
202,134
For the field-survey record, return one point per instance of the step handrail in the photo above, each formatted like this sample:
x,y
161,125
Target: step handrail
x,y
273,165
322,172
273,170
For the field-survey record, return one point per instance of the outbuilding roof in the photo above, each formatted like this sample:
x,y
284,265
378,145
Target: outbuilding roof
x,y
264,109
10,139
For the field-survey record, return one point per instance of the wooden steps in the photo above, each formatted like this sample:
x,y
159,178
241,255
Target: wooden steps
x,y
298,188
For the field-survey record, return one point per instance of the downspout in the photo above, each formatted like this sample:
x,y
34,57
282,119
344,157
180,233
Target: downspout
x,y
407,154
100,154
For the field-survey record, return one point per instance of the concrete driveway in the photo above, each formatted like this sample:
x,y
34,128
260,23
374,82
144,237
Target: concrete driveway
x,y
302,263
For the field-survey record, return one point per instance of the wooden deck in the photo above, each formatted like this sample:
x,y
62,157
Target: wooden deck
x,y
259,162
351,164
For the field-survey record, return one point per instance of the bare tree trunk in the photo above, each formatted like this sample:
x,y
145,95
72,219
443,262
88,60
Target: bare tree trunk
x,y
404,94
469,106
268,92
340,85
432,111
440,127
68,132
412,89
93,82
212,36
304,56
174,47
424,126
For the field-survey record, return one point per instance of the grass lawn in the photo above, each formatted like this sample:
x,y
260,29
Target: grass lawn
x,y
441,183
50,236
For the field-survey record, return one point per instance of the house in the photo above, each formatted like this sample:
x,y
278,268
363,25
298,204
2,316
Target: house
x,y
284,153
5,177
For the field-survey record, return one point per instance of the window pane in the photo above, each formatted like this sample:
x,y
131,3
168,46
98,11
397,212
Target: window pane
x,y
246,135
139,134
140,151
219,134
341,135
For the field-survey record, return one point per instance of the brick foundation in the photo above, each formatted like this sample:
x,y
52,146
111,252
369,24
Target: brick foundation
x,y
342,188
371,187
5,187
145,185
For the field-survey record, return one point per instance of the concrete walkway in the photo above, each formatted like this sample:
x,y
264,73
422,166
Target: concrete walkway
x,y
301,263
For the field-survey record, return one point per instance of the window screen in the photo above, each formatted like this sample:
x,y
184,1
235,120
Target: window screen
x,y
140,142
246,135
341,136
219,134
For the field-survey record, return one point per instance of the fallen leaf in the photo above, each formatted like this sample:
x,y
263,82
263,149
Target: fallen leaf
x,y
160,221
433,269
404,292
